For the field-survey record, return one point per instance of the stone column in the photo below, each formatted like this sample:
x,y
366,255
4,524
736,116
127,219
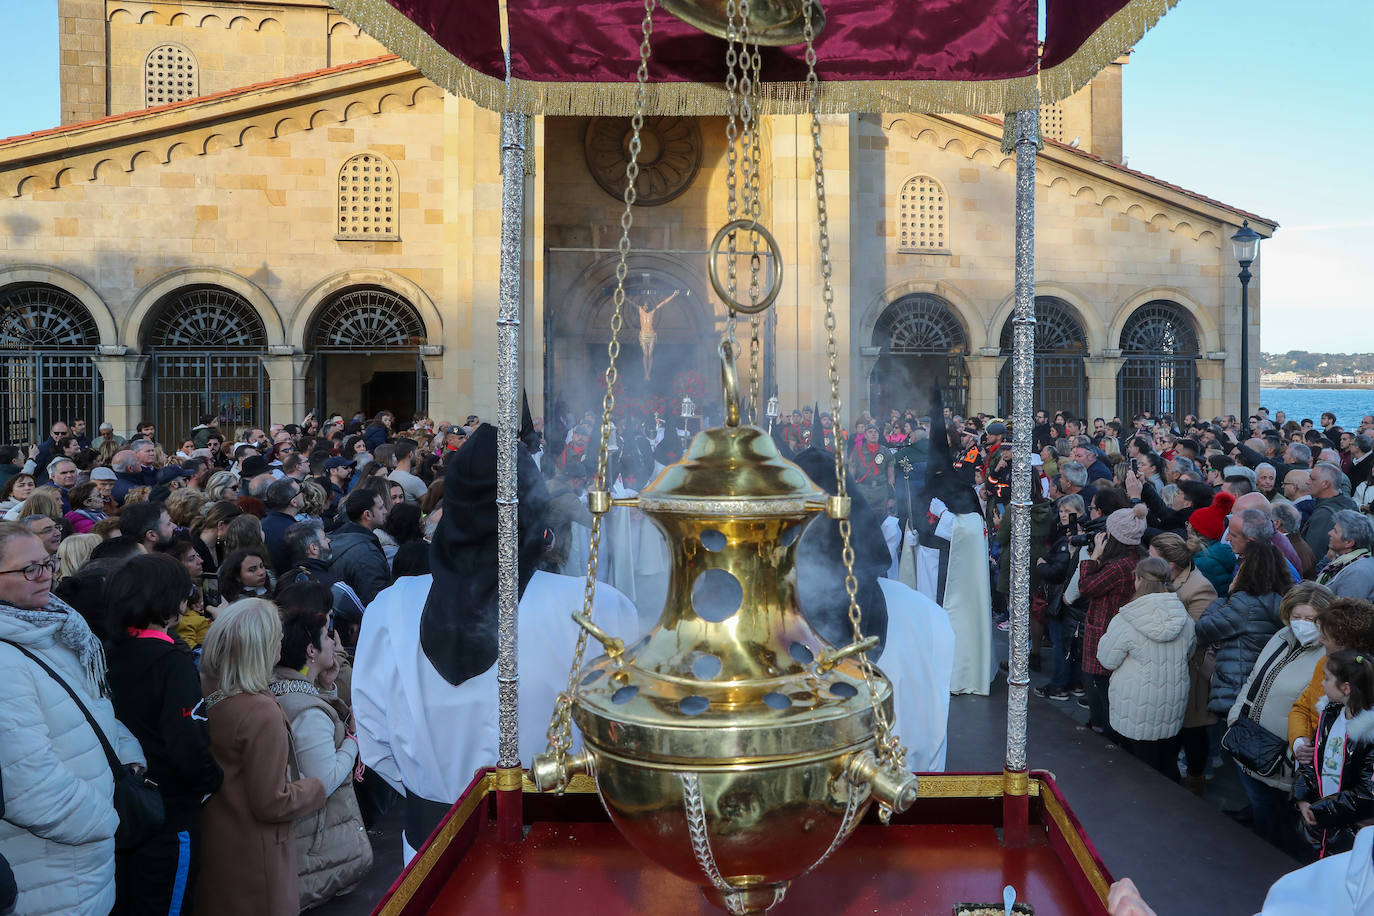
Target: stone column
x,y
983,368
1101,372
1211,385
122,374
286,373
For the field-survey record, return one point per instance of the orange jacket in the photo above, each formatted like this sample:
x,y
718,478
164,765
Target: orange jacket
x,y
1302,718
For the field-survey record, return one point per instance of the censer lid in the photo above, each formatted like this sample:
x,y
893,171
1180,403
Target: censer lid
x,y
732,470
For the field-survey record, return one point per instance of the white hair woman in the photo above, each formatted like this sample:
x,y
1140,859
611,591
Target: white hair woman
x,y
248,864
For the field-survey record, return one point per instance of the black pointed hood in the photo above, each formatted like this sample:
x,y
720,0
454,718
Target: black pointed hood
x,y
943,482
458,628
820,568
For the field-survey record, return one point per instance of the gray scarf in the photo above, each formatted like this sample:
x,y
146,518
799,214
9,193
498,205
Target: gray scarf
x,y
73,632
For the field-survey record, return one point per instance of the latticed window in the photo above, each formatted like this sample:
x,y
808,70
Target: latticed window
x,y
170,74
1159,349
368,319
368,198
1052,121
923,216
35,316
1060,345
207,318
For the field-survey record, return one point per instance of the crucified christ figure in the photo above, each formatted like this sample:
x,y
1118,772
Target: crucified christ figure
x,y
647,337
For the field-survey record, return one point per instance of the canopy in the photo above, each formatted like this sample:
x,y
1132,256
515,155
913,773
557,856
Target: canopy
x,y
579,57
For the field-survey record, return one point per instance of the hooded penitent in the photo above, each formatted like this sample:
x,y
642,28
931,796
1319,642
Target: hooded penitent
x,y
820,567
942,481
458,629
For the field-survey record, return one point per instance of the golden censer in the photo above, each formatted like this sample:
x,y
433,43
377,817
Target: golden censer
x,y
732,744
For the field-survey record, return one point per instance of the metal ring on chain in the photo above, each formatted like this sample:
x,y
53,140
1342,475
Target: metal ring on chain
x,y
713,268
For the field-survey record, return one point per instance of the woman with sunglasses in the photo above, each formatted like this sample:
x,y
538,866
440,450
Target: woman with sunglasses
x,y
332,848
157,694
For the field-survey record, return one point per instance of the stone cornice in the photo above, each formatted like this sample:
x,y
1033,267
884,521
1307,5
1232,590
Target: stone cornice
x,y
82,152
1130,193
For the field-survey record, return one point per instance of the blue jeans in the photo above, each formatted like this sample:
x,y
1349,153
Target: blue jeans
x,y
1066,673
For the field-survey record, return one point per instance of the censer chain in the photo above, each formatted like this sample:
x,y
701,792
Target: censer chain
x,y
559,734
887,746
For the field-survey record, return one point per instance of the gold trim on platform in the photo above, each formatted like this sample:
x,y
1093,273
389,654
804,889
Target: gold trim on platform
x,y
983,785
1015,782
404,38
1077,846
509,779
421,866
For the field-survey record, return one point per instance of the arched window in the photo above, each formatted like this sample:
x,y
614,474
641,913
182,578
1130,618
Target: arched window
x,y
170,74
368,195
206,343
1159,349
923,217
368,343
920,340
1060,345
368,319
46,374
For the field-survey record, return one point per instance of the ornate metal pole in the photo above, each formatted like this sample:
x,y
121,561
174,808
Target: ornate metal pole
x,y
508,799
1015,789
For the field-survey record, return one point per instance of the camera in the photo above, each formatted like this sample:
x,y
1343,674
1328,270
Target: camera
x,y
1089,530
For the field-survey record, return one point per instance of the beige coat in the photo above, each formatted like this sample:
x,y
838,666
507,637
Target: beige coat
x,y
248,860
332,848
1197,593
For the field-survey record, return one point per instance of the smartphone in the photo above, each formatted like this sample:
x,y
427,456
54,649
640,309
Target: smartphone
x,y
1135,466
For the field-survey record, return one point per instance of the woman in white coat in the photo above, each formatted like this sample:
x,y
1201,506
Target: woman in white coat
x,y
59,825
1146,647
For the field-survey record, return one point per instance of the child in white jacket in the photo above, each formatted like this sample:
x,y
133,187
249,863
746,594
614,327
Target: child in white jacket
x,y
1146,647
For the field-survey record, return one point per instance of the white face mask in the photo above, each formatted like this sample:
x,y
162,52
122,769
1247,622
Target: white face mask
x,y
1305,631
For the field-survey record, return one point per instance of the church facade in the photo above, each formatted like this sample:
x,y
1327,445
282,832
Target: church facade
x,y
251,209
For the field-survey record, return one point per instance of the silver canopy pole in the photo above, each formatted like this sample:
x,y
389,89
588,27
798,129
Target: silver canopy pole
x,y
1023,378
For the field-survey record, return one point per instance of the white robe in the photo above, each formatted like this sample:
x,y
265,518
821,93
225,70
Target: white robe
x,y
967,598
634,557
418,731
917,658
1339,885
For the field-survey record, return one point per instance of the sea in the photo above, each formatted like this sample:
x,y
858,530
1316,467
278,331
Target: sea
x,y
1348,404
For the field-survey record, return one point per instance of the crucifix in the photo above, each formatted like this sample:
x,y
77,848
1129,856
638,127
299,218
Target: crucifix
x,y
647,337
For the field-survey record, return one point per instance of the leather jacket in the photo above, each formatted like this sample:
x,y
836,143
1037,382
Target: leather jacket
x,y
1339,815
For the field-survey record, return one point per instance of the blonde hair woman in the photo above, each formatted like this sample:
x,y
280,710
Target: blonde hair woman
x,y
74,551
1146,647
248,864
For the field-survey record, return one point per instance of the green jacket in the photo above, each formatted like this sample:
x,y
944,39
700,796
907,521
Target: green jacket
x,y
1042,519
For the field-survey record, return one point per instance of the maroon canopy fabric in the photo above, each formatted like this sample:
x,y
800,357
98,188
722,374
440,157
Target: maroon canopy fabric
x,y
580,56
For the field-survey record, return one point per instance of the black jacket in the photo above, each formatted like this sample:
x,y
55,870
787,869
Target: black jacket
x,y
156,694
1161,516
274,527
1339,815
358,560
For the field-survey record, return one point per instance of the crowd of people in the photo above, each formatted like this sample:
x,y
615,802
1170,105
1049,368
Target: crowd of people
x,y
177,625
234,621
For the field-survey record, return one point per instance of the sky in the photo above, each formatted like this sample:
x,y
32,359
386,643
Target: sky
x,y
1256,104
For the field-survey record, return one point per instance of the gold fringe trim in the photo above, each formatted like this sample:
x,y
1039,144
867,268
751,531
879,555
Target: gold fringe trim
x,y
408,41
1112,39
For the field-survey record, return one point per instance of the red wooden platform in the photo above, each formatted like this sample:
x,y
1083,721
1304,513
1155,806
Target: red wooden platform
x,y
945,850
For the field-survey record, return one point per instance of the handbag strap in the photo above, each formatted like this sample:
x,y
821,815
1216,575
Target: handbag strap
x,y
110,755
1259,682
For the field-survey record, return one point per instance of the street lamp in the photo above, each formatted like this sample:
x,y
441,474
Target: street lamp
x,y
1245,244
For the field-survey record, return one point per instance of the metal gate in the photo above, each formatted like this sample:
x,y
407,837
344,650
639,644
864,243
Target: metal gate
x,y
39,388
1060,345
47,338
920,341
183,386
1159,371
378,327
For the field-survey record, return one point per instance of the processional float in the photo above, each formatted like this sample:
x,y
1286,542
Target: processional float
x,y
732,745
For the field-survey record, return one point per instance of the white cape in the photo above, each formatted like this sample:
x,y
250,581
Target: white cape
x,y
421,733
917,658
1339,885
967,598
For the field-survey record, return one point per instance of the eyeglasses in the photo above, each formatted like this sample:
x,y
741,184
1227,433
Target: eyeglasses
x,y
34,571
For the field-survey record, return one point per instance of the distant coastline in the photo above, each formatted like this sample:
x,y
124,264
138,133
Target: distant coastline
x,y
1323,386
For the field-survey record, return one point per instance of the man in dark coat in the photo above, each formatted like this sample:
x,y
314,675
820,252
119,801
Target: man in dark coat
x,y
357,554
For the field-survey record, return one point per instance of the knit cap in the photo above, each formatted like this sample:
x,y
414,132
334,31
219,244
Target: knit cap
x,y
1127,525
1210,521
